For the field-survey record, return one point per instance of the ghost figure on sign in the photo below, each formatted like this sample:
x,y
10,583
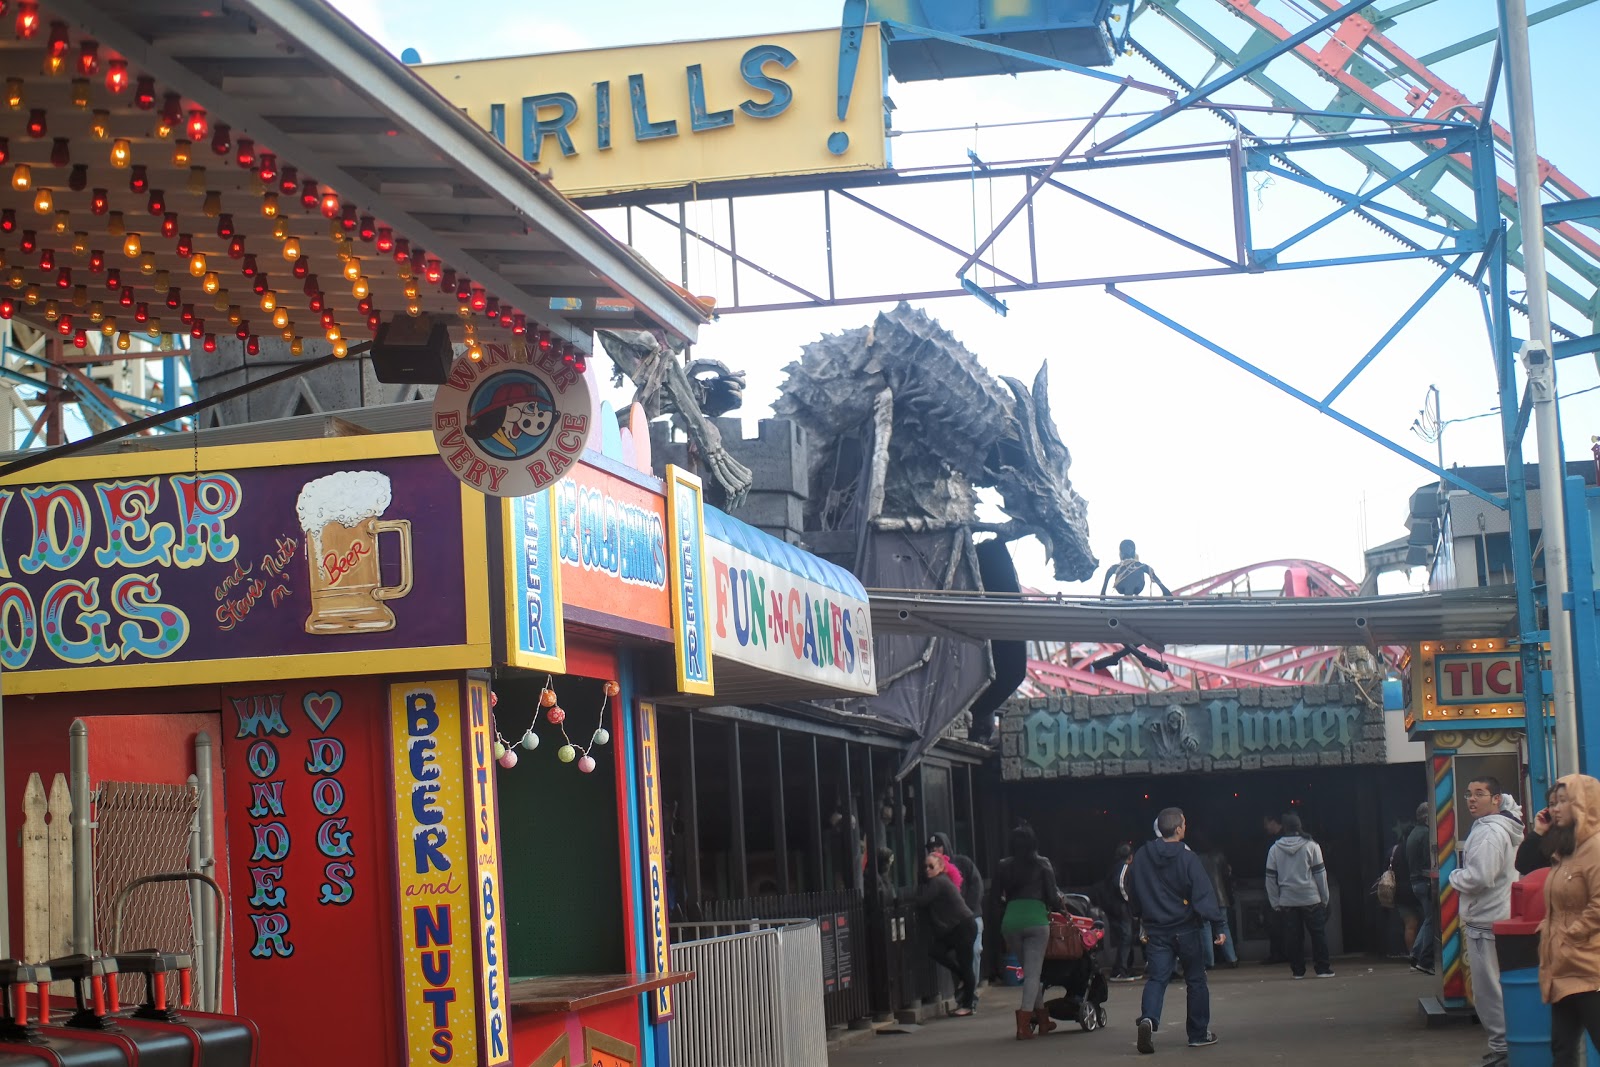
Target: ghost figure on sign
x,y
1174,738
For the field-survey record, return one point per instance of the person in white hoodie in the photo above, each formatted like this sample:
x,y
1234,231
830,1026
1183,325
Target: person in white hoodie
x,y
1483,881
1297,888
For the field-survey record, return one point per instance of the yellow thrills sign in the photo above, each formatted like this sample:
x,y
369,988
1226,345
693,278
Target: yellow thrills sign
x,y
433,850
661,116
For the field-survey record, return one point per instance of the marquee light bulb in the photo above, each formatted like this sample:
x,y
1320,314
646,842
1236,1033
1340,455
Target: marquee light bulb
x,y
291,249
115,226
247,153
210,343
280,318
80,93
181,153
44,202
269,205
340,350
121,153
36,123
117,75
267,168
221,139
352,269
212,205
269,301
197,265
124,342
361,288
100,125
144,93
210,282
27,19
147,263
21,177
97,312
89,57
197,181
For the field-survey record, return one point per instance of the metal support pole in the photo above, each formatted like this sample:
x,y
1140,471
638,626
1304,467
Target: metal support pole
x,y
1538,360
82,841
197,899
211,981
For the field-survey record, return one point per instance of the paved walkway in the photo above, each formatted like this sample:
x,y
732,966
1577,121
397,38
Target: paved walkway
x,y
1365,1017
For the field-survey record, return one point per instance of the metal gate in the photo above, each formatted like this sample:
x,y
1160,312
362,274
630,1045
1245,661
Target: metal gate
x,y
756,1000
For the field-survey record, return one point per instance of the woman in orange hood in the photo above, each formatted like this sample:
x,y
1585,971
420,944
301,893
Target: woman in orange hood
x,y
1569,941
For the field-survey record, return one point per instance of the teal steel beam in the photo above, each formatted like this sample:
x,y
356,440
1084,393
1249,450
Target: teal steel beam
x,y
1572,210
1238,73
1577,346
1394,331
1031,58
1307,399
1478,40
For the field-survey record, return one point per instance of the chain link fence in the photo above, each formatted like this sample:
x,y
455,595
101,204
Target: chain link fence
x,y
143,829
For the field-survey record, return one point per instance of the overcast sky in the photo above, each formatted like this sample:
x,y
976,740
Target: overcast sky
x,y
1205,467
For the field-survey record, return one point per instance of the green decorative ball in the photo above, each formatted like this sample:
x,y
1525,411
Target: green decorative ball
x,y
566,753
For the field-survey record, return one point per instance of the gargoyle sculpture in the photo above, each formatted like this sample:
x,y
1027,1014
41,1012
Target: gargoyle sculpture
x,y
908,404
665,386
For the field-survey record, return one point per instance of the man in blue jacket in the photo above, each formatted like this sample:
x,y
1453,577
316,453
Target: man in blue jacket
x,y
1172,894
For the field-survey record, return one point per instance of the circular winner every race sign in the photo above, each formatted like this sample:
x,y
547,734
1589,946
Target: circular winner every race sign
x,y
514,422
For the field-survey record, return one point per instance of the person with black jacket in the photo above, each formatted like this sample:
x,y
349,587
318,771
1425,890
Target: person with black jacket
x,y
953,930
1173,896
1025,887
1119,913
1419,865
971,885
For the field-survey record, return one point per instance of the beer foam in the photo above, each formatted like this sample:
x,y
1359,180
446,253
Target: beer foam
x,y
345,497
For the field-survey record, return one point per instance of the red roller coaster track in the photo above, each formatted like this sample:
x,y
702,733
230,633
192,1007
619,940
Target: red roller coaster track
x,y
1055,667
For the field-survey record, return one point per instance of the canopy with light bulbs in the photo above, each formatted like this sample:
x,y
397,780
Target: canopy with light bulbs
x,y
263,170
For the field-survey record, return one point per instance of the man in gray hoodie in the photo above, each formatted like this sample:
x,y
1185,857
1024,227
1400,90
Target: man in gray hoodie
x,y
1483,881
1297,887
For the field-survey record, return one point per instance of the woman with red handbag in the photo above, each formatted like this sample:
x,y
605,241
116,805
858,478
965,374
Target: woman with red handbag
x,y
1025,885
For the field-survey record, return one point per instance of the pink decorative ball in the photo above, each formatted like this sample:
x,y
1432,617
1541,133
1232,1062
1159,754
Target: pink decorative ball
x,y
508,759
494,700
556,716
586,764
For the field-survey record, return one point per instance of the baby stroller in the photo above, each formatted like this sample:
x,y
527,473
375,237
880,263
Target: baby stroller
x,y
1082,979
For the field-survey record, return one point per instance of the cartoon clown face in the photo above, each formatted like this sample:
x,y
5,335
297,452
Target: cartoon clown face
x,y
512,415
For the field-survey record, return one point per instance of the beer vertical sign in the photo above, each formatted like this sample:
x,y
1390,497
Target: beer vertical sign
x,y
486,896
438,987
686,571
654,859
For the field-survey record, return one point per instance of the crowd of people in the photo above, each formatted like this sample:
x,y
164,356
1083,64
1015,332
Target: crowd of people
x,y
1169,902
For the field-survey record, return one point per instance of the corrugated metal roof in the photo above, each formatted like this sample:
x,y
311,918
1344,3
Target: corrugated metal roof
x,y
1388,620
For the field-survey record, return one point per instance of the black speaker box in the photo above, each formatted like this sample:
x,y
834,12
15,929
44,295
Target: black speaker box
x,y
413,351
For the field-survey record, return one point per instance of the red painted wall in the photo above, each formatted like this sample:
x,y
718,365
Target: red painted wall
x,y
307,763
532,1035
134,736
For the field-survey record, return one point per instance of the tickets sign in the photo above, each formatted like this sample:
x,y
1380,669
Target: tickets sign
x,y
439,991
513,422
1469,679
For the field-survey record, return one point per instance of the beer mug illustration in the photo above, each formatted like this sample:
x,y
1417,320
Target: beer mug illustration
x,y
340,516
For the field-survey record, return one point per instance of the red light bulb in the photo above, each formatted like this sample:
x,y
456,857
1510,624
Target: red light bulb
x,y
58,43
169,225
185,245
315,303
60,152
47,259
221,139
374,321
544,341
248,268
89,58
64,325
80,339
464,291
117,75
8,308
247,153
328,320
474,297
368,230
174,298
364,305
308,194
36,123
402,252
310,287
157,205
30,241
78,180
236,247
186,316
385,237
268,168
8,220
99,203
259,284
5,149
144,94
126,299
447,280
347,219
113,277
97,261
519,324
433,272
288,181
198,127
198,329
141,314
172,111
27,19
224,225
253,346
139,178
244,329
210,343
302,266
64,278
493,310
330,204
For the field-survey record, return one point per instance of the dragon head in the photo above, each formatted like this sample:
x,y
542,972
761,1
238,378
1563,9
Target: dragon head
x,y
1031,465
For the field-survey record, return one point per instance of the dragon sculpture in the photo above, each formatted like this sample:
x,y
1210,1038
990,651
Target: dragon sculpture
x,y
905,425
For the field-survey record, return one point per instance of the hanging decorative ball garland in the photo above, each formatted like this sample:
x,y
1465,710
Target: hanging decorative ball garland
x,y
506,756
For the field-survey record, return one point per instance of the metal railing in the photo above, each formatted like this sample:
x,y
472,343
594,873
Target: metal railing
x,y
847,959
756,1000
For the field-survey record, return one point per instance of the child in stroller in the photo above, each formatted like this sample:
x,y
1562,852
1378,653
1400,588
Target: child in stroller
x,y
1082,979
